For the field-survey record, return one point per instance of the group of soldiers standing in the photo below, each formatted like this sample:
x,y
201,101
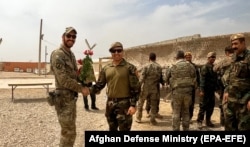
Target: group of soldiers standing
x,y
230,78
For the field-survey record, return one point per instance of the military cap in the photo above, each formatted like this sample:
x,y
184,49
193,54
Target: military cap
x,y
210,54
69,29
188,54
237,36
115,44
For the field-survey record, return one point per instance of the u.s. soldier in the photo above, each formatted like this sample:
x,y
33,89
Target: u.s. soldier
x,y
63,65
237,90
123,89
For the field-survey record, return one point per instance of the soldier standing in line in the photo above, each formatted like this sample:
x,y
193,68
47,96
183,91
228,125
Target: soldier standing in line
x,y
182,80
123,89
188,57
208,86
63,65
237,90
220,68
150,79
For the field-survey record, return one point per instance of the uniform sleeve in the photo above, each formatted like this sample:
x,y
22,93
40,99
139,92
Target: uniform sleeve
x,y
101,82
202,77
63,78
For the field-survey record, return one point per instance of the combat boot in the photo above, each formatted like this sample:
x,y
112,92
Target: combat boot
x,y
199,125
209,124
153,122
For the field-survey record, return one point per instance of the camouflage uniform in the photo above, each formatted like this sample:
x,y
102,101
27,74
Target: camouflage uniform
x,y
122,91
150,79
238,89
63,65
182,80
208,85
220,68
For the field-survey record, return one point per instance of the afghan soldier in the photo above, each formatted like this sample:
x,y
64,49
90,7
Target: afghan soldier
x,y
150,79
188,57
208,86
220,68
123,89
182,80
63,65
237,90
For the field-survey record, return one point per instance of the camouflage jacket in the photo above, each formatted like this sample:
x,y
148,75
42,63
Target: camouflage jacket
x,y
63,65
238,81
151,77
208,78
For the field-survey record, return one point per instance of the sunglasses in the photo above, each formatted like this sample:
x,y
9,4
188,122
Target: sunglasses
x,y
212,57
114,51
71,36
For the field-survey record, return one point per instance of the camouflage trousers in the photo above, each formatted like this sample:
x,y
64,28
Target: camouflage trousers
x,y
180,104
116,114
237,117
66,112
153,99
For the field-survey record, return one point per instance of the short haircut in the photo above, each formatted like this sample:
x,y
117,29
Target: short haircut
x,y
152,56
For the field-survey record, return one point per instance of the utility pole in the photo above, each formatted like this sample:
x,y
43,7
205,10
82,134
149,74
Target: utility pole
x,y
40,44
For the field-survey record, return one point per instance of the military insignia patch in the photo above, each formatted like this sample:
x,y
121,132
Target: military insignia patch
x,y
58,66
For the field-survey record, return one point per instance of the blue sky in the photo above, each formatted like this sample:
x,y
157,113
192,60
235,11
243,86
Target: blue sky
x,y
132,22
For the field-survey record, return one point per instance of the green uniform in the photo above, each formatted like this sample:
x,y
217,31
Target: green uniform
x,y
123,90
63,65
238,88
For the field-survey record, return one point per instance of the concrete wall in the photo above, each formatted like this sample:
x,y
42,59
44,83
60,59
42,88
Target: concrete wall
x,y
166,50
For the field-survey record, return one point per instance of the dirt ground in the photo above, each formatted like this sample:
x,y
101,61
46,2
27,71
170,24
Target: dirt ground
x,y
30,122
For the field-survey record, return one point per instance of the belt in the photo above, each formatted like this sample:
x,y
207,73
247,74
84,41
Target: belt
x,y
118,99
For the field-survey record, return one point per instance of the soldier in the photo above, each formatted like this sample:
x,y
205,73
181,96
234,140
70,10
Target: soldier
x,y
188,57
220,68
150,79
182,80
123,89
63,65
237,88
208,86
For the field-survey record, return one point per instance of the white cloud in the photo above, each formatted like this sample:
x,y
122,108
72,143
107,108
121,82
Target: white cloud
x,y
133,22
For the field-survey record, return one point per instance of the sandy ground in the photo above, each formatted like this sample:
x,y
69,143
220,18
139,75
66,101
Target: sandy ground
x,y
30,122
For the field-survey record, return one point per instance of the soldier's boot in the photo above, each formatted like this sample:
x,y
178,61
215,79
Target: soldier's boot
x,y
152,120
209,123
159,116
138,117
199,124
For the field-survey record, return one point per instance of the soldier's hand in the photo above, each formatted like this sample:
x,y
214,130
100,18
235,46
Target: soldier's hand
x,y
248,105
201,93
225,96
131,110
85,91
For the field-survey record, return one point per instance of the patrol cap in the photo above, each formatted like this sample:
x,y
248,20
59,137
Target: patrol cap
x,y
237,36
210,54
188,54
69,29
115,44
